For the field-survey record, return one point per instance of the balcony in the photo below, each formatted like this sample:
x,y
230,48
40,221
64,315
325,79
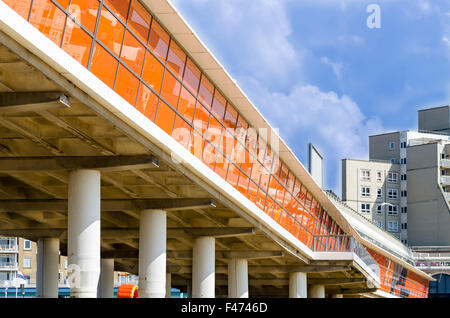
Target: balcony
x,y
8,266
9,248
445,180
445,163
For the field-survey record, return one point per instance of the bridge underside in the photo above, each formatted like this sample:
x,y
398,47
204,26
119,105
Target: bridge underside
x,y
33,192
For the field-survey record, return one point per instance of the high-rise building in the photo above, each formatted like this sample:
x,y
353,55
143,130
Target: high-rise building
x,y
406,176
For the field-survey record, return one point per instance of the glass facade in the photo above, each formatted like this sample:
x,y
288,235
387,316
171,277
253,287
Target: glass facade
x,y
125,47
399,281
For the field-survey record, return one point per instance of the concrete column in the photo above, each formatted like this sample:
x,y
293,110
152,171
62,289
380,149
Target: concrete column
x,y
152,254
298,285
203,267
237,278
47,268
106,285
168,285
337,296
84,232
317,291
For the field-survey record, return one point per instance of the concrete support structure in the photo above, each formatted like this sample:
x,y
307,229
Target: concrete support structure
x,y
237,278
84,232
47,268
168,285
152,254
203,267
298,285
316,291
106,285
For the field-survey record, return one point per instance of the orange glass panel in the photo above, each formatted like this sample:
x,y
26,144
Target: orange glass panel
x,y
85,11
264,180
170,89
165,117
181,132
201,118
227,143
191,76
221,166
252,191
103,65
287,201
153,72
251,140
209,155
256,172
261,149
205,93
241,129
283,174
214,131
110,32
147,102
132,53
283,219
186,105
159,40
247,163
176,59
126,85
139,20
22,7
218,107
196,144
77,43
48,19
260,199
119,7
231,116
276,166
270,206
232,175
243,183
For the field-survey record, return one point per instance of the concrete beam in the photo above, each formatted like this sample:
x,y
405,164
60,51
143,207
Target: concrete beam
x,y
106,204
132,254
12,102
55,163
113,233
177,269
350,291
335,281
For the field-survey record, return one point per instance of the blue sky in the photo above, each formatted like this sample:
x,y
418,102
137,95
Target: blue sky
x,y
319,74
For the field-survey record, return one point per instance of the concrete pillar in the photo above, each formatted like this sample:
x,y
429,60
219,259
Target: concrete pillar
x,y
84,232
317,291
298,285
47,268
237,278
152,254
106,285
168,285
203,267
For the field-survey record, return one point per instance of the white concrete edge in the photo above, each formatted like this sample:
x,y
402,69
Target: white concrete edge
x,y
367,270
385,294
36,42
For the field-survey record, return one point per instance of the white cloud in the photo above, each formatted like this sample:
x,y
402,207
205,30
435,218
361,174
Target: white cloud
x,y
335,66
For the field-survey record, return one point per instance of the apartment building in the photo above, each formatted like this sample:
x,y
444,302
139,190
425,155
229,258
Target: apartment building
x,y
19,254
420,160
372,188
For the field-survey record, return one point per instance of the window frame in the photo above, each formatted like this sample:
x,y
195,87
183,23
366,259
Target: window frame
x,y
364,193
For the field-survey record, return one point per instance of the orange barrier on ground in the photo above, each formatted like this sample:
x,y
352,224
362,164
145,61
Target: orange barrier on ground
x,y
128,291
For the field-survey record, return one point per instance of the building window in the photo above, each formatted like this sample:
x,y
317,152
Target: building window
x,y
66,262
27,245
403,193
392,193
365,191
392,177
379,176
393,160
392,210
365,207
379,209
365,175
27,262
379,193
391,145
403,161
404,226
403,177
380,224
392,226
403,144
